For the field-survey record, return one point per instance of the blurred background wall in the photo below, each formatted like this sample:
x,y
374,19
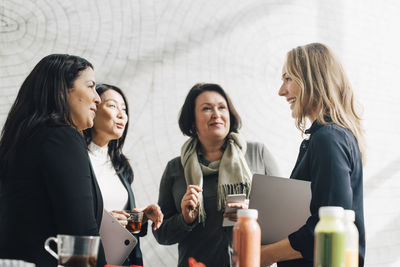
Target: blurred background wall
x,y
156,50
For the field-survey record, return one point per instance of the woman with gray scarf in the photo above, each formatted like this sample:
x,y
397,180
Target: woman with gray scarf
x,y
214,162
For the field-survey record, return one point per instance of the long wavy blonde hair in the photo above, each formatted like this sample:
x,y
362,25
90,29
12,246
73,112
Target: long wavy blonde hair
x,y
324,89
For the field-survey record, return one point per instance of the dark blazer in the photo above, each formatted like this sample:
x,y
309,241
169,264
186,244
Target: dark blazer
x,y
135,258
49,189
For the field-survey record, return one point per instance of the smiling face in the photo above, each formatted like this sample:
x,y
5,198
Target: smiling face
x,y
82,99
290,90
211,117
111,118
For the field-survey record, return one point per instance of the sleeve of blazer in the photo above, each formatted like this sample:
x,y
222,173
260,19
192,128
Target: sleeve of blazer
x,y
260,159
68,180
131,203
270,165
173,229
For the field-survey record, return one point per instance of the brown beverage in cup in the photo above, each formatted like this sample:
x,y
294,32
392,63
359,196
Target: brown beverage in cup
x,y
133,226
77,261
134,221
74,251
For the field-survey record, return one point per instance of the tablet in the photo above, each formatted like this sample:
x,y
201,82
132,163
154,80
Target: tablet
x,y
283,205
118,242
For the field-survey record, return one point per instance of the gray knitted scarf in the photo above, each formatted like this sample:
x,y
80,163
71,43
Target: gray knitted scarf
x,y
234,176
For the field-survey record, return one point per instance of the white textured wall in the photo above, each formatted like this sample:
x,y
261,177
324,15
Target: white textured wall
x,y
156,50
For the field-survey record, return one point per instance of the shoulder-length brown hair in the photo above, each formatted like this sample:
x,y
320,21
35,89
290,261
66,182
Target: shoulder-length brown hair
x,y
187,116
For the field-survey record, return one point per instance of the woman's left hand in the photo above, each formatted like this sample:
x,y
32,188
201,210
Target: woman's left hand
x,y
152,212
236,205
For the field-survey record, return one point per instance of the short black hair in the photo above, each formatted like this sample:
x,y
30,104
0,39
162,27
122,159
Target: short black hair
x,y
187,116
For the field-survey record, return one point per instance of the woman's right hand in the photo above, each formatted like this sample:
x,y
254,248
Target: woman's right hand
x,y
190,202
121,216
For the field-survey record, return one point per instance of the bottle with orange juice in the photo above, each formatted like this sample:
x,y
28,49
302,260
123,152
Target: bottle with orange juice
x,y
246,239
351,239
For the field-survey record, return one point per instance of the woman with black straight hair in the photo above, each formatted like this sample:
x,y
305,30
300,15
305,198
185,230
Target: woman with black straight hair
x,y
113,171
114,147
47,186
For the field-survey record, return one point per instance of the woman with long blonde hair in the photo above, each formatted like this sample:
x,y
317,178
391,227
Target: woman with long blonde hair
x,y
317,89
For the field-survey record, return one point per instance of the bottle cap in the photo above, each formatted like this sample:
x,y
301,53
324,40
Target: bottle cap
x,y
349,215
331,211
248,213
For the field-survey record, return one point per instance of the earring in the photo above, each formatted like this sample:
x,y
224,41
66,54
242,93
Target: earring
x,y
194,130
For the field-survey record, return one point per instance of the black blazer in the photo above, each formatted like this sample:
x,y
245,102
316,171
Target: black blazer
x,y
49,189
135,258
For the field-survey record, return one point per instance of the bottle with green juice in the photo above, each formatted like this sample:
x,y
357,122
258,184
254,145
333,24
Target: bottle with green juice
x,y
329,238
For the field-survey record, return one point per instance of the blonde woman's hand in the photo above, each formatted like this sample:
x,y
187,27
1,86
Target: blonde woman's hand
x,y
190,202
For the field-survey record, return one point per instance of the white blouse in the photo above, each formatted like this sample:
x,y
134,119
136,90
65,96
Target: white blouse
x,y
113,191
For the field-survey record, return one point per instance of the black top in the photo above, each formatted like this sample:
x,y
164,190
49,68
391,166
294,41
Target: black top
x,y
135,257
49,189
331,160
209,243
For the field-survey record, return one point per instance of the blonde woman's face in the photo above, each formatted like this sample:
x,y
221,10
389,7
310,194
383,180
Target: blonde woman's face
x,y
290,90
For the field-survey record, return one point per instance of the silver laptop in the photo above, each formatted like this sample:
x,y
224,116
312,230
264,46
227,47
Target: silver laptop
x,y
118,242
282,204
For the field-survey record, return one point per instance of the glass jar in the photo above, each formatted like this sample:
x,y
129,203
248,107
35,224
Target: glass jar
x,y
246,239
329,238
351,243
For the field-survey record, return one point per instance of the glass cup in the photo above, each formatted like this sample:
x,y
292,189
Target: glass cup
x,y
134,221
74,250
